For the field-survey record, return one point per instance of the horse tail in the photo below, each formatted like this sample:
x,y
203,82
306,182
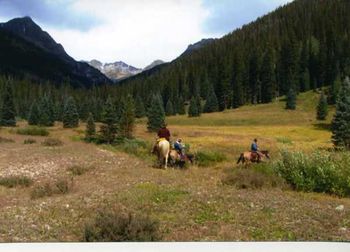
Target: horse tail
x,y
241,157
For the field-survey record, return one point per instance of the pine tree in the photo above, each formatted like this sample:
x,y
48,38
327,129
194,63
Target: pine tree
x,y
46,111
70,114
267,78
334,90
155,114
181,106
140,110
199,105
34,115
322,108
211,104
169,109
108,129
341,120
193,109
291,100
8,111
237,82
90,131
127,118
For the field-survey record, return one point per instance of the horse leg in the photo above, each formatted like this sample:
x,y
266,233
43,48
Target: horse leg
x,y
240,159
166,161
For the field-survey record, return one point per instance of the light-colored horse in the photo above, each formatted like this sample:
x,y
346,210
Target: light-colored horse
x,y
163,150
253,157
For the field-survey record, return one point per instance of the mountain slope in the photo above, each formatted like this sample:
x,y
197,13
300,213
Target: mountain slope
x,y
115,71
303,45
26,50
119,70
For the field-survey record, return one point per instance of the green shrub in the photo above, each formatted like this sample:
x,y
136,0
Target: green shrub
x,y
110,226
29,141
320,171
6,140
33,131
13,181
60,186
78,170
52,142
136,147
254,177
41,191
208,158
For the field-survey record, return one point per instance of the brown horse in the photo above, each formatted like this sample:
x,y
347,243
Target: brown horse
x,y
253,157
175,159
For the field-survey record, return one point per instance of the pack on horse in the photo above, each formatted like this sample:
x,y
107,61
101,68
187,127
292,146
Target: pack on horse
x,y
175,158
254,157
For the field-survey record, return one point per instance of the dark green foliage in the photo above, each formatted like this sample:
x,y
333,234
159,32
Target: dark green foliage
x,y
169,108
46,111
334,91
8,111
29,141
90,131
209,158
114,226
127,118
140,110
181,106
211,103
14,181
267,78
70,114
341,120
322,108
34,115
33,131
155,114
108,129
316,172
291,100
193,110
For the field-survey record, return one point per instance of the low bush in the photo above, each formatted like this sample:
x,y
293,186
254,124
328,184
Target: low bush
x,y
60,186
14,181
113,226
33,131
51,142
136,147
6,140
29,141
320,171
78,170
208,158
254,177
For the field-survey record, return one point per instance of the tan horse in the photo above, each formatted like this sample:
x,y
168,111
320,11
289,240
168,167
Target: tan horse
x,y
162,150
253,157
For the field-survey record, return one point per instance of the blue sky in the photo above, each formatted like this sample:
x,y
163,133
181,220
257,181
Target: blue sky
x,y
135,31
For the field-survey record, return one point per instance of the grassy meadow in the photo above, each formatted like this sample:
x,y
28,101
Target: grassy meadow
x,y
59,188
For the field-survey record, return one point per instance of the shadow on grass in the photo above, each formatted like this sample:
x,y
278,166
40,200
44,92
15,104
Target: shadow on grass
x,y
323,126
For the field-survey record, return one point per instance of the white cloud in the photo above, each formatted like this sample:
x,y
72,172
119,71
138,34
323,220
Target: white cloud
x,y
135,31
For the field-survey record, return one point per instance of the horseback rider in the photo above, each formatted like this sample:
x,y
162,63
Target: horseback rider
x,y
179,147
255,149
163,133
